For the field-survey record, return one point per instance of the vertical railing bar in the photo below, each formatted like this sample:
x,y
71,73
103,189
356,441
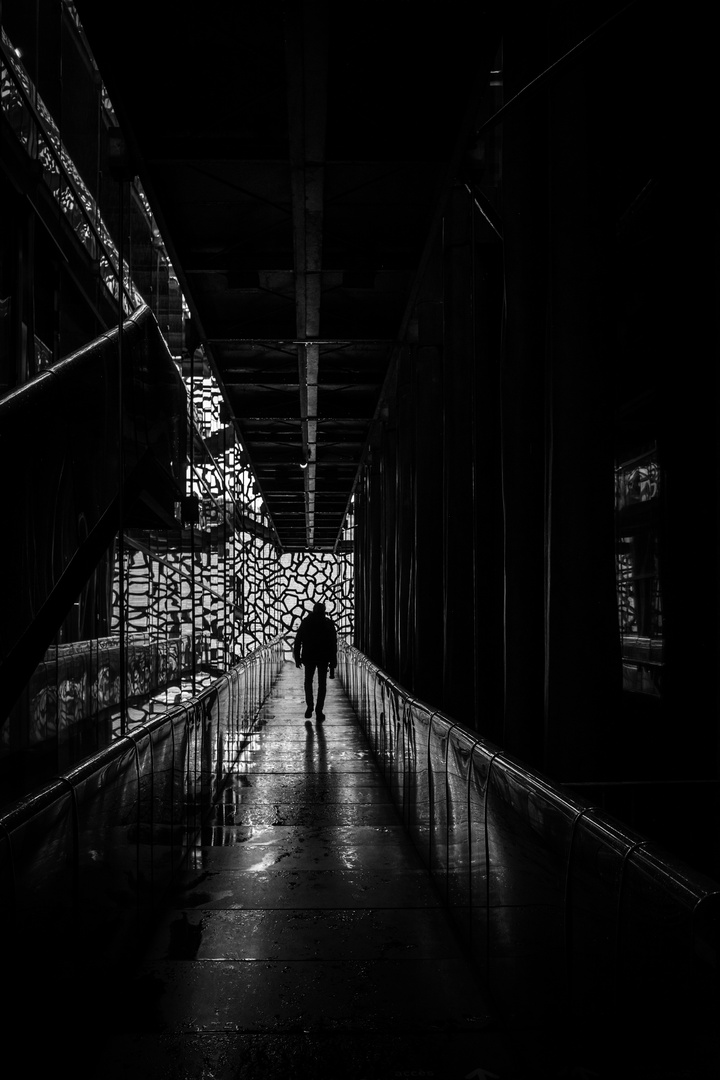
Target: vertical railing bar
x,y
172,796
405,757
133,743
447,814
13,872
152,819
487,861
431,794
139,823
567,896
75,821
469,833
618,918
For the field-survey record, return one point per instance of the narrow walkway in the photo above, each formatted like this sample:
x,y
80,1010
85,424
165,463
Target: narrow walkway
x,y
307,941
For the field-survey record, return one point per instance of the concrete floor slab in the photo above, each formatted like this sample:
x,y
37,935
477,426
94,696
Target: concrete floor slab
x,y
258,814
305,934
305,938
386,1055
308,888
324,995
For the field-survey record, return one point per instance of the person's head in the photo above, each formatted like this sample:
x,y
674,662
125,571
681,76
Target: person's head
x,y
319,609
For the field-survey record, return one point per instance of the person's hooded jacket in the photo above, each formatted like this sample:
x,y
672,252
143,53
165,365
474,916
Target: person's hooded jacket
x,y
316,640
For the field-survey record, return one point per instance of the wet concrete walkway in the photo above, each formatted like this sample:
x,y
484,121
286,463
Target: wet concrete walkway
x,y
306,939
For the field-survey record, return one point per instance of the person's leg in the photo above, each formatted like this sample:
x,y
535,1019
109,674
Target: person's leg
x,y
309,674
322,687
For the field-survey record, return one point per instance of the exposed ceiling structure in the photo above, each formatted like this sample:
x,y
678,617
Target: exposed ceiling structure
x,y
296,156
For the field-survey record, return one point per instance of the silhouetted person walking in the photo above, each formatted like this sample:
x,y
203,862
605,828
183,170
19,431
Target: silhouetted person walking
x,y
316,649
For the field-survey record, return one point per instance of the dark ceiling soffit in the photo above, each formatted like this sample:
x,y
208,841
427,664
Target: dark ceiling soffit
x,y
306,56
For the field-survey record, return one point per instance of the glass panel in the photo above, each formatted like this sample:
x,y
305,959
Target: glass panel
x,y
637,495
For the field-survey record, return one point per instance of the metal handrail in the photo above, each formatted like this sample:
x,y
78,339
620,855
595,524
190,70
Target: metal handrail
x,y
544,887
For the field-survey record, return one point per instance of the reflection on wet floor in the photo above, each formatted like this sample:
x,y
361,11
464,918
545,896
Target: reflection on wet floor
x,y
306,938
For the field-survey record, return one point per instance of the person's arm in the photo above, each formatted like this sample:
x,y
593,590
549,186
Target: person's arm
x,y
297,645
333,654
